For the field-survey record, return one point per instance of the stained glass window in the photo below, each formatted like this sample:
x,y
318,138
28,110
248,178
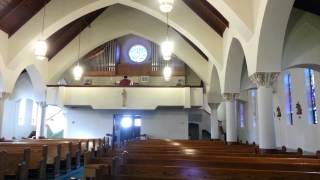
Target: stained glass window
x,y
254,116
311,95
241,115
288,92
138,53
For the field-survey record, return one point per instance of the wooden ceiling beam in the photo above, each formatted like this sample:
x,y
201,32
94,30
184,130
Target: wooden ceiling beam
x,y
19,14
208,14
58,40
312,6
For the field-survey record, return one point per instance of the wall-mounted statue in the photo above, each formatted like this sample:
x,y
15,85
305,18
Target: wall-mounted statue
x,y
278,112
299,109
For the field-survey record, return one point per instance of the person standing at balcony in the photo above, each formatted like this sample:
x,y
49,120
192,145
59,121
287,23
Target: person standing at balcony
x,y
125,81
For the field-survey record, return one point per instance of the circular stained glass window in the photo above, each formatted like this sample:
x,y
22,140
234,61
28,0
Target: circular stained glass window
x,y
138,53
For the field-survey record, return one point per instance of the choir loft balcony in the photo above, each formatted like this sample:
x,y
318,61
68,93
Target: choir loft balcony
x,y
112,97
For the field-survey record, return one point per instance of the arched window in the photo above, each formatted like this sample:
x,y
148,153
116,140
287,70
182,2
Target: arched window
x,y
288,94
311,96
241,115
254,100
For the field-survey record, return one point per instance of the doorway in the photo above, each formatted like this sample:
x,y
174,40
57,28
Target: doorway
x,y
126,127
193,131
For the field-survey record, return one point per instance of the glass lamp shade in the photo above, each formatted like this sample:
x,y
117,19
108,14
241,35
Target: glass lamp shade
x,y
166,5
167,49
40,50
77,72
167,73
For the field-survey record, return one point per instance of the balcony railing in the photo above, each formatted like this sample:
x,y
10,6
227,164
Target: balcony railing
x,y
132,97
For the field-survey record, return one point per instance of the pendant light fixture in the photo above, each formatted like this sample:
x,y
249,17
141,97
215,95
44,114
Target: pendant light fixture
x,y
167,73
167,46
41,46
77,70
166,5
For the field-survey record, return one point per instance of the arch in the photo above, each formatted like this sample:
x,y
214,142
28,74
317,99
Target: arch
x,y
145,27
301,47
271,35
233,68
214,94
210,46
37,81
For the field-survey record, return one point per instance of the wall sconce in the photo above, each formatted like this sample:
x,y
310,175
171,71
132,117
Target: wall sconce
x,y
278,112
299,110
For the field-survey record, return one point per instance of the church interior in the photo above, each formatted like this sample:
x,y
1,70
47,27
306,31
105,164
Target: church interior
x,y
159,89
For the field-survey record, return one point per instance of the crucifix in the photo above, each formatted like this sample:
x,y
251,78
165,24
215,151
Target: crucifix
x,y
124,97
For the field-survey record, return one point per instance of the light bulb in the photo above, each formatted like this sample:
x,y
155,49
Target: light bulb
x,y
77,72
166,5
40,50
167,73
167,49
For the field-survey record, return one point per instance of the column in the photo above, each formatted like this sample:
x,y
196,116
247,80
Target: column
x,y
266,132
3,98
215,133
41,123
231,118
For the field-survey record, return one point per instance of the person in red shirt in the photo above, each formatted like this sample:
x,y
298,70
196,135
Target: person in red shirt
x,y
125,81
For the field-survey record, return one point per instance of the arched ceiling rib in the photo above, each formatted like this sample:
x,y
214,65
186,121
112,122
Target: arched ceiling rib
x,y
61,38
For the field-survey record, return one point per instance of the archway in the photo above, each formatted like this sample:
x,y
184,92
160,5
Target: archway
x,y
233,68
21,111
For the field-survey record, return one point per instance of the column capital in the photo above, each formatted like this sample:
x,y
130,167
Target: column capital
x,y
42,103
4,95
230,96
265,79
214,105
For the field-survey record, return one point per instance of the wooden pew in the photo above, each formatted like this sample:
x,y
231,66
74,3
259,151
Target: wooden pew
x,y
38,156
212,173
158,159
58,157
14,164
97,168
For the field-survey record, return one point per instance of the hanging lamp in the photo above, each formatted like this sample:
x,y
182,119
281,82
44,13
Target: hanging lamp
x,y
167,46
167,73
78,70
166,5
41,46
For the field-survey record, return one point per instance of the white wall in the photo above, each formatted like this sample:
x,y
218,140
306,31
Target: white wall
x,y
172,124
302,133
85,122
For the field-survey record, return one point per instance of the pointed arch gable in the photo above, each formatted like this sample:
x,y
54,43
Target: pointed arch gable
x,y
233,68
